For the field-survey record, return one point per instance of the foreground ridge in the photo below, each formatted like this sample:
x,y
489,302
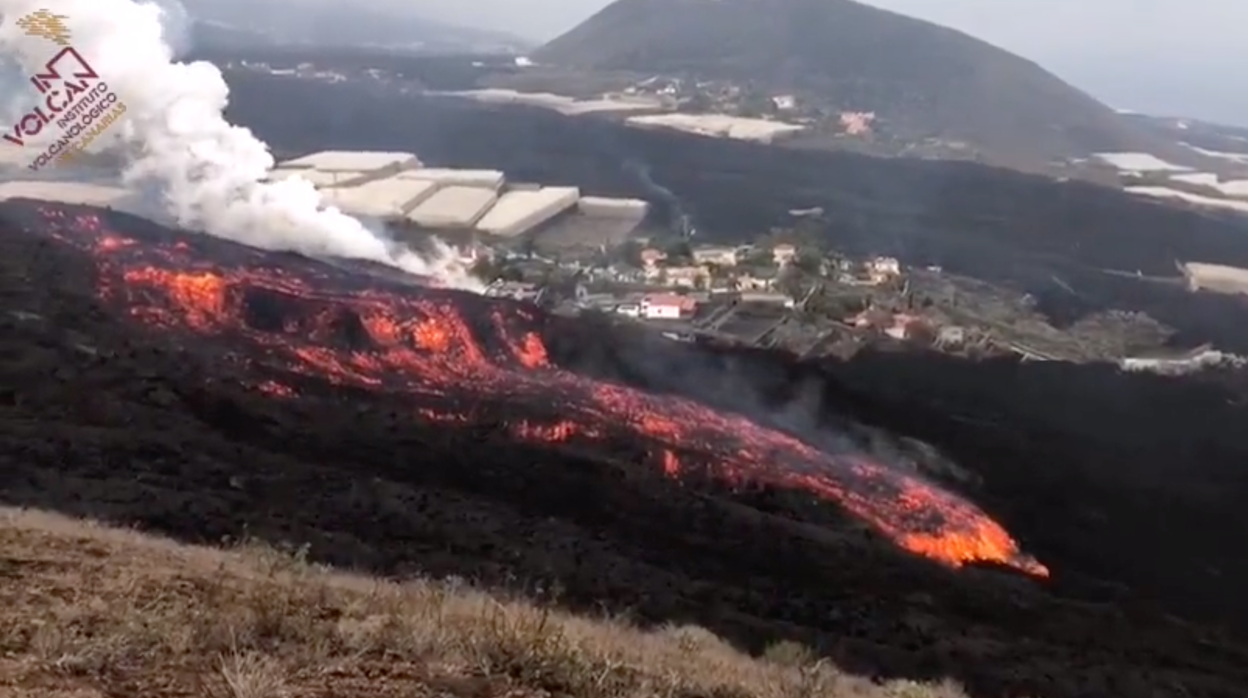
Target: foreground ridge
x,y
100,610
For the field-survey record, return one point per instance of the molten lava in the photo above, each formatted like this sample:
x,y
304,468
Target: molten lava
x,y
456,356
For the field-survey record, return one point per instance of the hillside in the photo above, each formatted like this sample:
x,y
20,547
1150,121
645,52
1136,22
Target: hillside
x,y
202,390
257,622
922,80
1225,141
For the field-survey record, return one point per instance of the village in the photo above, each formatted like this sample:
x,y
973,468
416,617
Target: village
x,y
801,298
575,253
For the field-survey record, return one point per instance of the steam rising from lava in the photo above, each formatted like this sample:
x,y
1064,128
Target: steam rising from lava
x,y
460,360
174,131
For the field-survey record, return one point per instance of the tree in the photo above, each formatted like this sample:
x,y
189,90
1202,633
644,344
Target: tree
x,y
921,333
679,249
510,272
759,257
528,247
755,104
630,253
808,262
485,269
791,282
698,102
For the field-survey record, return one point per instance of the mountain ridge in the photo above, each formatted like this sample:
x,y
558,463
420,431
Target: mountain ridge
x,y
921,79
316,22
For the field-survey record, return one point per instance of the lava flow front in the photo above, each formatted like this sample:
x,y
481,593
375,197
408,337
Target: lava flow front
x,y
466,359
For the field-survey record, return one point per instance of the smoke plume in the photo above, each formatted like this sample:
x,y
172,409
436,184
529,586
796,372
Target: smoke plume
x,y
174,135
681,221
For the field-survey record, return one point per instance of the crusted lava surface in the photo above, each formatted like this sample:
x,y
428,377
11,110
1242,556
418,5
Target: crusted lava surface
x,y
206,389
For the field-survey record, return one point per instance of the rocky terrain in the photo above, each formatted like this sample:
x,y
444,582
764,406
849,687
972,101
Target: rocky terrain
x,y
199,389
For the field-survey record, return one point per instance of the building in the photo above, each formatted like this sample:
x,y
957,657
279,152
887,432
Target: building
x,y
473,252
450,177
608,207
567,290
651,257
629,309
519,290
389,197
871,317
1217,278
521,210
904,326
897,331
760,280
784,102
376,162
783,254
884,265
665,306
881,269
1178,363
951,336
767,297
686,277
857,123
721,256
320,179
453,207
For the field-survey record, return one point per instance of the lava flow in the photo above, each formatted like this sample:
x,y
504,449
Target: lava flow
x,y
460,357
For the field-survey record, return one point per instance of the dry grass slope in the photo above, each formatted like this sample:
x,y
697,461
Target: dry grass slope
x,y
90,610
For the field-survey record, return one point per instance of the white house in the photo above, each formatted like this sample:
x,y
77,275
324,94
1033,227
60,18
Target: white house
x,y
882,269
519,290
783,253
784,102
628,309
723,256
686,277
885,265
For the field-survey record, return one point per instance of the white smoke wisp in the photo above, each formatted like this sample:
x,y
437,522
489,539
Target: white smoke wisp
x,y
175,135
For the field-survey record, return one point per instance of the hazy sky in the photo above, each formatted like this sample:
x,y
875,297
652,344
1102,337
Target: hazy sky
x,y
1181,57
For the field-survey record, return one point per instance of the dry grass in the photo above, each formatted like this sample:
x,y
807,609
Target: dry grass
x,y
89,610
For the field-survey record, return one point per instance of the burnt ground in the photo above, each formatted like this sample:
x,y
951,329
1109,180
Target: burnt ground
x,y
107,419
1134,480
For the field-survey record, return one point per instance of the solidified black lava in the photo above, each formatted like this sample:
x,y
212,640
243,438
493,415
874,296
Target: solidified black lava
x,y
366,485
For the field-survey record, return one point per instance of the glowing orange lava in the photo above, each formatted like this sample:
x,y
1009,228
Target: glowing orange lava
x,y
455,353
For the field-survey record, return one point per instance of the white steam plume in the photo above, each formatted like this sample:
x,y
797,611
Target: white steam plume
x,y
175,135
